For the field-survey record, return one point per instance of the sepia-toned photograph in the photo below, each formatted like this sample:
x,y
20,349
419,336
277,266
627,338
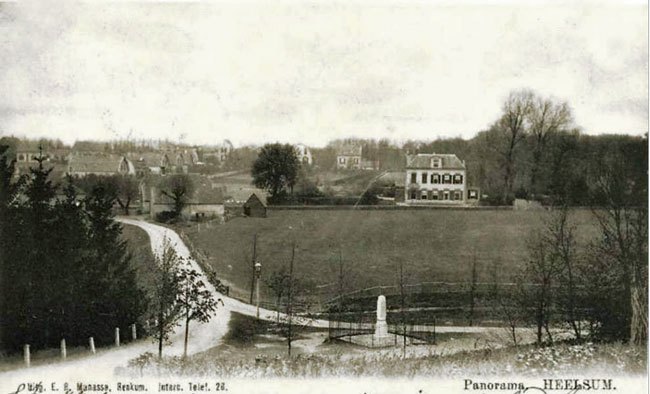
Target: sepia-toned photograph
x,y
323,196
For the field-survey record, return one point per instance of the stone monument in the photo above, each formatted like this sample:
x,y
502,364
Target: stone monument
x,y
381,328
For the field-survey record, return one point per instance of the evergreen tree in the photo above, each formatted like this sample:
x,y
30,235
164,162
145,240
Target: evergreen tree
x,y
11,274
72,258
111,284
40,260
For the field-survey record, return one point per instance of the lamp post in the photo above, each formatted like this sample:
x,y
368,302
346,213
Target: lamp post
x,y
258,272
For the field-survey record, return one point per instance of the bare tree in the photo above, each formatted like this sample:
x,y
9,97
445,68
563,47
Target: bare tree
x,y
166,291
540,271
127,190
508,132
179,188
505,303
401,282
472,289
253,261
623,219
278,283
546,119
290,300
561,235
195,300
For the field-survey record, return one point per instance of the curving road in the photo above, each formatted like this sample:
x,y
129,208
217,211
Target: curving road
x,y
202,336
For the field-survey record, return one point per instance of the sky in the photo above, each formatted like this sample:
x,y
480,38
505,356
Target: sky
x,y
310,72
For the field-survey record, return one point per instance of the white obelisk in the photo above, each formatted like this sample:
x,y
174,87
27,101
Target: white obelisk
x,y
381,329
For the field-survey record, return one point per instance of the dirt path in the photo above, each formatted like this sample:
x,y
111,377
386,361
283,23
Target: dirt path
x,y
202,336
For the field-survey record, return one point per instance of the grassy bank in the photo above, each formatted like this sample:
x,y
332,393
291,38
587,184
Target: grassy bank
x,y
139,246
590,359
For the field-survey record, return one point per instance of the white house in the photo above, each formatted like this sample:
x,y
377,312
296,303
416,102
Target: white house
x,y
433,178
303,153
219,152
349,156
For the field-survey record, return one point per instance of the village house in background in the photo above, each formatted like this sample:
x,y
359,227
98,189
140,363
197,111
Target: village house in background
x,y
98,163
206,202
304,154
28,151
348,157
433,178
217,154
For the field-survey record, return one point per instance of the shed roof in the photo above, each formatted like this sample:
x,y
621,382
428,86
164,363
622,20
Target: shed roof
x,y
255,198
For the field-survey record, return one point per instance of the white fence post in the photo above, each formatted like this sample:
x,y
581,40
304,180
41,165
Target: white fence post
x,y
27,356
64,353
92,345
134,334
117,336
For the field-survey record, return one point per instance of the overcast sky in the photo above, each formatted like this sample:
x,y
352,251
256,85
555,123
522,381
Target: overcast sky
x,y
311,72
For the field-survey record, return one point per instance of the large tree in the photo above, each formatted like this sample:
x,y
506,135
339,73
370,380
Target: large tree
x,y
507,133
276,169
127,190
547,118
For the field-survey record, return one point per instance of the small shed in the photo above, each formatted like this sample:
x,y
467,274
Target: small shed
x,y
255,207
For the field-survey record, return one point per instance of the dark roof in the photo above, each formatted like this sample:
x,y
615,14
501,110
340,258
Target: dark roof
x,y
349,150
253,198
94,162
423,160
146,159
28,146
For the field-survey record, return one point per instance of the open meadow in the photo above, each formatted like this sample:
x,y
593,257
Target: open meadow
x,y
434,245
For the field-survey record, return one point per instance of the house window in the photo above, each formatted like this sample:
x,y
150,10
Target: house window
x,y
423,195
413,197
435,162
356,160
445,195
434,196
446,178
458,179
341,160
424,177
414,177
435,178
457,195
472,194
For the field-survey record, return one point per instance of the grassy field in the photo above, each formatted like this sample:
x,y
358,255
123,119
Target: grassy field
x,y
434,245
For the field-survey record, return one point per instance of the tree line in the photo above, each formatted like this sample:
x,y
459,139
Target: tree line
x,y
66,271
